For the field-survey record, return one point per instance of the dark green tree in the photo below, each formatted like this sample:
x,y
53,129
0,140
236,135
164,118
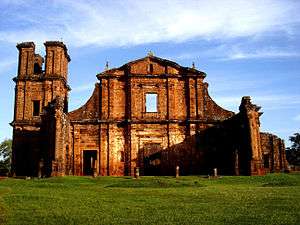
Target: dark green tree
x,y
293,152
5,156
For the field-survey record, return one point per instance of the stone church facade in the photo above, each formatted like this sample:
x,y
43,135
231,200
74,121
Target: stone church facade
x,y
150,113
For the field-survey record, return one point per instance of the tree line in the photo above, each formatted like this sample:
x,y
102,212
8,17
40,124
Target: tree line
x,y
5,156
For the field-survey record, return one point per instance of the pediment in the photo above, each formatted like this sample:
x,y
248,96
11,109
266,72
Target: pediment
x,y
151,65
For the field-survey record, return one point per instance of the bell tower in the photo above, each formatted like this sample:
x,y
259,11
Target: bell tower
x,y
28,91
35,89
56,72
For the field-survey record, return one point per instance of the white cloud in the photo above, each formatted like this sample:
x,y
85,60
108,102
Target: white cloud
x,y
264,53
123,23
239,51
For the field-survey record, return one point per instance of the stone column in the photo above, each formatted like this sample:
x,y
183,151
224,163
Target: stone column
x,y
250,115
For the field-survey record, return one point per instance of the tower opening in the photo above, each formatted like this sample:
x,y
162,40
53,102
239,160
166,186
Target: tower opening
x,y
36,108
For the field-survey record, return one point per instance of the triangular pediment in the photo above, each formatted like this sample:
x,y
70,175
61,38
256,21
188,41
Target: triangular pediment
x,y
151,65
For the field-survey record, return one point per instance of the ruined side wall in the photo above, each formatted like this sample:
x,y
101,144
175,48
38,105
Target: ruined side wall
x,y
273,153
212,110
90,110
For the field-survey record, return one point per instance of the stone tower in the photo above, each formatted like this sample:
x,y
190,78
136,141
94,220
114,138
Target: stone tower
x,y
35,89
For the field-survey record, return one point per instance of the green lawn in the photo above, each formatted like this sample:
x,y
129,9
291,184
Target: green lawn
x,y
272,199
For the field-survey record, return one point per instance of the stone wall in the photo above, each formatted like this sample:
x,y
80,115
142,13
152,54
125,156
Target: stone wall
x,y
114,121
37,89
273,152
113,132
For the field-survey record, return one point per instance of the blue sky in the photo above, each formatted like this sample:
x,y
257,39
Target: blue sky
x,y
245,47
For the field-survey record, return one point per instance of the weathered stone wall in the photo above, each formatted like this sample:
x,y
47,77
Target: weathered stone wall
x,y
87,138
273,153
113,133
123,132
26,59
41,88
57,59
231,146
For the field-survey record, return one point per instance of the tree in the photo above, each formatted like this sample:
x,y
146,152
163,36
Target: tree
x,y
293,153
5,156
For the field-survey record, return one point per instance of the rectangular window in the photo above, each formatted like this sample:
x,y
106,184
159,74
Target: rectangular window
x,y
266,161
151,68
151,102
36,108
122,156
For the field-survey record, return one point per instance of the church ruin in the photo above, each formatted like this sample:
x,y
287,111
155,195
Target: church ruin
x,y
149,113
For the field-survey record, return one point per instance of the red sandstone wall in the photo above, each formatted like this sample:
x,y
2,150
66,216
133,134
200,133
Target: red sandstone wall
x,y
46,87
178,98
273,149
115,124
90,110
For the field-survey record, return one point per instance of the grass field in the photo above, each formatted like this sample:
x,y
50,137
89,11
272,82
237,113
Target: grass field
x,y
272,199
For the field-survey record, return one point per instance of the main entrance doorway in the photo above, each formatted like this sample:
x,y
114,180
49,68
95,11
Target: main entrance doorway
x,y
89,157
151,161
